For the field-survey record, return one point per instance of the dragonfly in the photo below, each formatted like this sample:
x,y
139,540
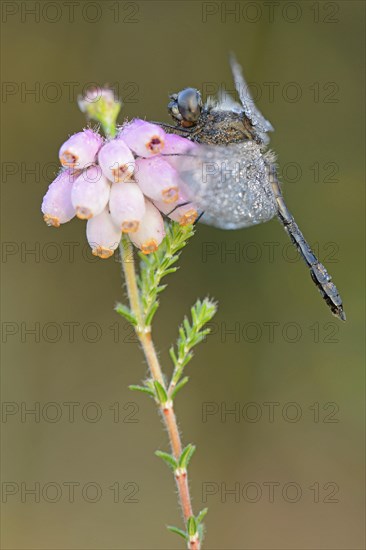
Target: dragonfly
x,y
232,175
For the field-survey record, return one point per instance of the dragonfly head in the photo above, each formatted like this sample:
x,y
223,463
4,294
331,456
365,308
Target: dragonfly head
x,y
185,107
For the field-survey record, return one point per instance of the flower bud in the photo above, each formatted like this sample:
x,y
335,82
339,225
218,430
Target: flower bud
x,y
101,105
103,234
56,205
90,193
97,98
151,231
145,139
80,149
127,206
116,161
157,179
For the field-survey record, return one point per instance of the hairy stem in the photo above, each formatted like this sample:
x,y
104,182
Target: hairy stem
x,y
144,335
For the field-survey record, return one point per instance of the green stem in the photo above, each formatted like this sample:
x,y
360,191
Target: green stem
x,y
144,335
109,128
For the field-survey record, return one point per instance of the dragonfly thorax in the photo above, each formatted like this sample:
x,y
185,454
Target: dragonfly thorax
x,y
208,124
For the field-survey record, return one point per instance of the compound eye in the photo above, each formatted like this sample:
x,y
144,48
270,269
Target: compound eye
x,y
190,104
173,109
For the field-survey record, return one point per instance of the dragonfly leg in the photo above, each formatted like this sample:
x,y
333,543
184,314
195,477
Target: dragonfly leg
x,y
175,128
198,218
178,206
184,204
318,272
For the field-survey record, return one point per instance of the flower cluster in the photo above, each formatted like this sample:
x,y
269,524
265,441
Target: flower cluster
x,y
120,185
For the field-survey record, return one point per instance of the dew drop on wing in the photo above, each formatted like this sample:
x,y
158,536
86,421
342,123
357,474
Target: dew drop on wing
x,y
229,183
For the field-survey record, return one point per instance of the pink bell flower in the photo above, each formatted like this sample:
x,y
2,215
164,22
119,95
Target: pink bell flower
x,y
80,149
151,231
116,161
127,206
184,215
103,234
57,207
145,139
157,179
90,193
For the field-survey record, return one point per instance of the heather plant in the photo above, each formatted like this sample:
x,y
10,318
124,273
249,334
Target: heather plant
x,y
125,185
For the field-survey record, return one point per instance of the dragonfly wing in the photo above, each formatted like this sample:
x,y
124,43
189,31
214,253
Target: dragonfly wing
x,y
230,184
224,102
261,124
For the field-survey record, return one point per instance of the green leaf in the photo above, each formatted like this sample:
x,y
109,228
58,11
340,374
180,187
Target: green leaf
x,y
191,526
186,325
151,313
126,313
160,392
191,334
179,386
149,383
143,389
171,270
194,316
177,531
186,456
160,288
172,355
168,459
201,515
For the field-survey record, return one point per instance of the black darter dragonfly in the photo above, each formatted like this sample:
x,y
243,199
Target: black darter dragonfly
x,y
232,175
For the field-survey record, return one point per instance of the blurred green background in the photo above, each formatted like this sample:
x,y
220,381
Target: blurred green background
x,y
310,372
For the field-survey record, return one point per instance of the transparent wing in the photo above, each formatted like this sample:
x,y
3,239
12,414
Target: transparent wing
x,y
230,184
224,102
251,111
